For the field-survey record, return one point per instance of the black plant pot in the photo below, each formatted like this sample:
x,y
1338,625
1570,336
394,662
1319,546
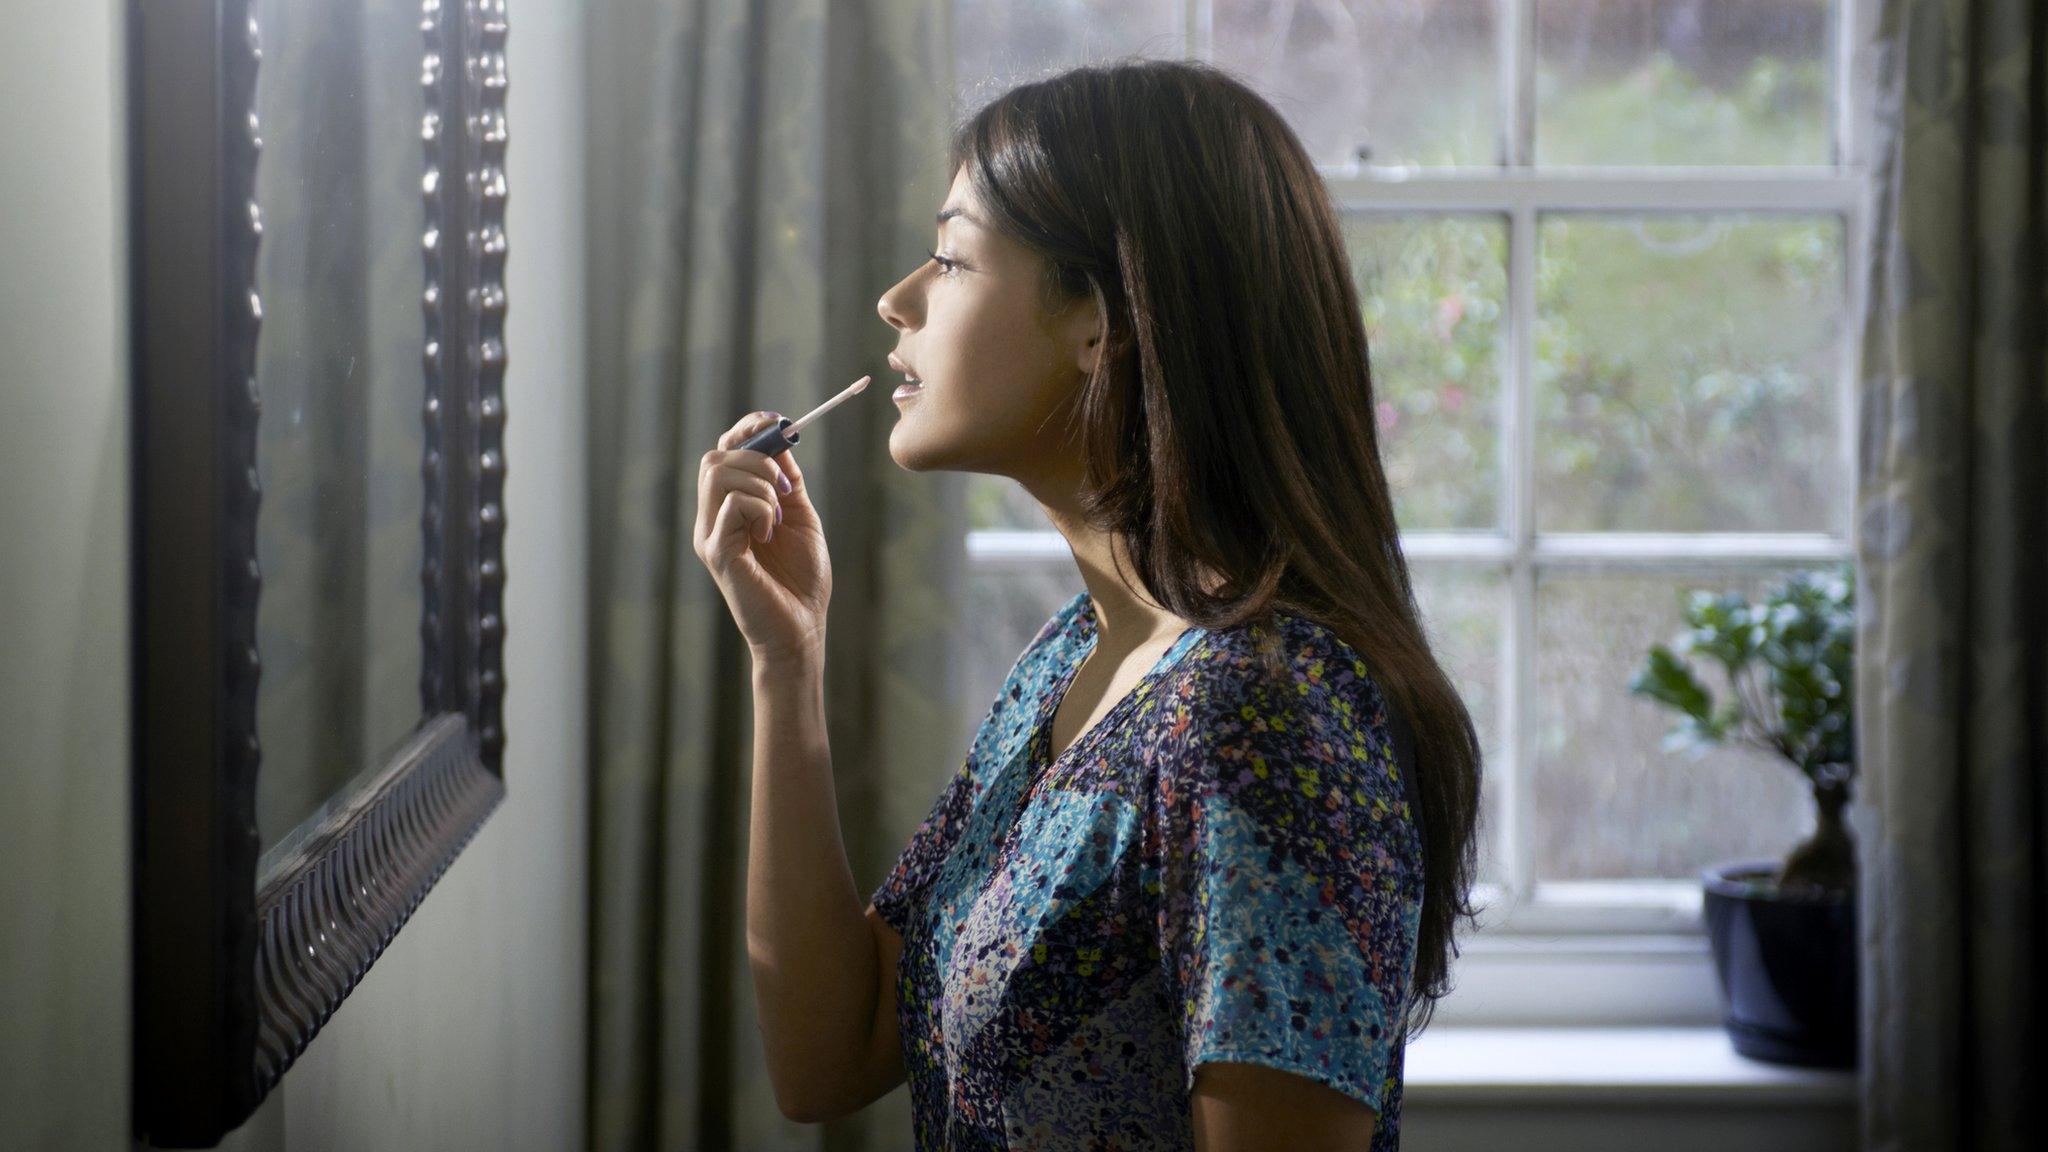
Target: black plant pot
x,y
1787,966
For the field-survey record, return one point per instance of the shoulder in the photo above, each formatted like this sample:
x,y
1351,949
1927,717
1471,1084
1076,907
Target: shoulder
x,y
1288,728
1302,684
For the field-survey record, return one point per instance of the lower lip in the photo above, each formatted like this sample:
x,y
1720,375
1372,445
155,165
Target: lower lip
x,y
906,391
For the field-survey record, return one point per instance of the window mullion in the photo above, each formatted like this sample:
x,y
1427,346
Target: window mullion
x,y
1516,37
1853,151
1726,189
1198,24
1507,149
1514,807
1517,722
1841,26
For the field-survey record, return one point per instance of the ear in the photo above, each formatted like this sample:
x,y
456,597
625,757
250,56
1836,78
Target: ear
x,y
1089,354
1084,330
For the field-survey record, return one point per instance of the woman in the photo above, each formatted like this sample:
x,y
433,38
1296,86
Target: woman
x,y
1195,884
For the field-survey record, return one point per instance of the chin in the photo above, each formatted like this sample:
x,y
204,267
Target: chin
x,y
925,442
913,451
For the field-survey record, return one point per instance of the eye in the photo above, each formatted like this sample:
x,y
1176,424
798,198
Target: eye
x,y
945,266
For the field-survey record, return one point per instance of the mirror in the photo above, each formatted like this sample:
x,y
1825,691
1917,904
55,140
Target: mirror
x,y
338,430
318,207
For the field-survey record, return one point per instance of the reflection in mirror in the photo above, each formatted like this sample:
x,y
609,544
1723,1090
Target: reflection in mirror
x,y
338,276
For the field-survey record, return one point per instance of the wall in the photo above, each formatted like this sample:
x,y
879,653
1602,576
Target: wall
x,y
63,581
468,1033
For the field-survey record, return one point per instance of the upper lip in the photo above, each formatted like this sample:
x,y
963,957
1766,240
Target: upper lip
x,y
897,363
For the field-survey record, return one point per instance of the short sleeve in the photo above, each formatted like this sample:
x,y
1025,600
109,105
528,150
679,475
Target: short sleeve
x,y
918,864
1289,876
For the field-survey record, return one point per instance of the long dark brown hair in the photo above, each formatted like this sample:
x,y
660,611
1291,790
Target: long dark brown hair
x,y
1229,428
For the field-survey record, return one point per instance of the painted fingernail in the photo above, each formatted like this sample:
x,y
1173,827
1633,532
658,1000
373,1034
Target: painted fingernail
x,y
778,513
782,481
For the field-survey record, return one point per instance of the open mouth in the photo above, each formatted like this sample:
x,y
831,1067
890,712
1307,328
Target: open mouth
x,y
907,389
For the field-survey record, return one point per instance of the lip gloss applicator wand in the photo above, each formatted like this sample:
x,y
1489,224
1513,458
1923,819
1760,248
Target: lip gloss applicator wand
x,y
785,432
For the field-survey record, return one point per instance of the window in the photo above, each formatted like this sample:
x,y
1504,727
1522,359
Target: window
x,y
1608,252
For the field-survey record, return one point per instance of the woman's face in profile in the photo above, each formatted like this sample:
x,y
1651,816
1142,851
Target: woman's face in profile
x,y
998,372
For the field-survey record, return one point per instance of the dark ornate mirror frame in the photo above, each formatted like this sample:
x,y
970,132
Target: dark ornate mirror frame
x,y
231,983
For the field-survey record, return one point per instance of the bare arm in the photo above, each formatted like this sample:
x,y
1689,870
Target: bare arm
x,y
824,970
1253,1108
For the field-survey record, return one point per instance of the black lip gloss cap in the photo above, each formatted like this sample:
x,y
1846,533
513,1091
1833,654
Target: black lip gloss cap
x,y
770,440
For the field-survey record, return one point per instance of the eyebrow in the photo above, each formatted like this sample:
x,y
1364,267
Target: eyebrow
x,y
946,214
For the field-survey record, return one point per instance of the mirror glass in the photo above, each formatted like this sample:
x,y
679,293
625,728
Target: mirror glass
x,y
339,273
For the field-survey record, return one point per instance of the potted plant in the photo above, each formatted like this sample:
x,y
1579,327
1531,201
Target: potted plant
x,y
1783,932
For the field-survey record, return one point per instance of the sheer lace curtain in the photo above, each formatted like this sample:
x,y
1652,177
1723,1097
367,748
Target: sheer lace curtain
x,y
1952,653
760,171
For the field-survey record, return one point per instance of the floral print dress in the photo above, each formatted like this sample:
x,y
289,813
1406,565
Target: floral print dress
x,y
1225,867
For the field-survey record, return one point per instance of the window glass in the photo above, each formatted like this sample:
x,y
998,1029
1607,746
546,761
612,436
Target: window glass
x,y
1687,373
1434,291
1684,82
1383,82
1610,803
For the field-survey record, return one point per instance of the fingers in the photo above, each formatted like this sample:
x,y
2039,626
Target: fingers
x,y
771,466
741,518
721,480
787,462
726,538
756,514
747,425
728,469
746,460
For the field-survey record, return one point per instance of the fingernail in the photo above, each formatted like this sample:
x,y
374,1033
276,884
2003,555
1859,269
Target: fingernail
x,y
778,513
782,481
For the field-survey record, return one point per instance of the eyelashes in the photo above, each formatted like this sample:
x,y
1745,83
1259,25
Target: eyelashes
x,y
946,266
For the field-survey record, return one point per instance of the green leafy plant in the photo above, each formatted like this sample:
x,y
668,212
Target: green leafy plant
x,y
1789,661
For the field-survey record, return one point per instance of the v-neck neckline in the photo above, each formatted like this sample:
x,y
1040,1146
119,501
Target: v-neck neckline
x,y
1087,633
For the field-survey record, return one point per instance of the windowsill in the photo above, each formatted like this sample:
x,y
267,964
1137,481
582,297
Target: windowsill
x,y
1563,1065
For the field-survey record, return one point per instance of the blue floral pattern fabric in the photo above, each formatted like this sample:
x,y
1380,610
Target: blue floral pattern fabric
x,y
1225,867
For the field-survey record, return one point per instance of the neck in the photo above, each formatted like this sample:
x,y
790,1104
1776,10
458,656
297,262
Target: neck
x,y
1125,617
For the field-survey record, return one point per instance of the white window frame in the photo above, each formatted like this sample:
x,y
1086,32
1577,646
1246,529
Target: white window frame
x,y
1583,952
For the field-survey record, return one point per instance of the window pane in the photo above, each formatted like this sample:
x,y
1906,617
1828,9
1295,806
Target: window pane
x,y
1462,609
1433,290
1687,373
998,44
1409,82
1684,82
1610,803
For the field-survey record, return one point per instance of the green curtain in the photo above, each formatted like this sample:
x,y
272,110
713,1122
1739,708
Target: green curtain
x,y
760,172
1952,651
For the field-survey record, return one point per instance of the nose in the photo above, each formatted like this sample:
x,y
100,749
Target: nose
x,y
898,305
